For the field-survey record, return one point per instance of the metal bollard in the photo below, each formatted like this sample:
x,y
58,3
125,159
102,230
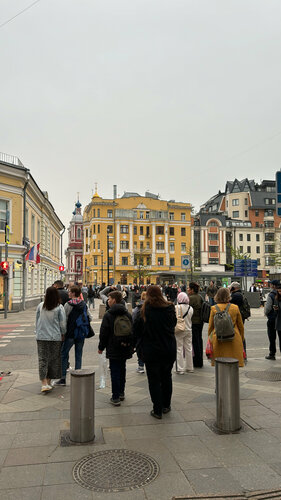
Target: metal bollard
x,y
82,405
227,394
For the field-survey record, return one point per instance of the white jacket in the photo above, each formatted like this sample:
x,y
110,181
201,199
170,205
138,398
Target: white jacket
x,y
181,309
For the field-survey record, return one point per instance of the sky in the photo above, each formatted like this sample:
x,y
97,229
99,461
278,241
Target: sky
x,y
171,96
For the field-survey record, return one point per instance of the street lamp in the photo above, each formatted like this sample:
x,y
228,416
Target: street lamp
x,y
102,267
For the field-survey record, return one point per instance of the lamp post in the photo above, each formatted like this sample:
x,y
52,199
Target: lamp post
x,y
102,267
108,256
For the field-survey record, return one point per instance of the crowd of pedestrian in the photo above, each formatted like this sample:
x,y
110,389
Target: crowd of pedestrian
x,y
165,330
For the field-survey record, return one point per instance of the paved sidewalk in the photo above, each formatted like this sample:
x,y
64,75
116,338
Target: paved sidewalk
x,y
192,458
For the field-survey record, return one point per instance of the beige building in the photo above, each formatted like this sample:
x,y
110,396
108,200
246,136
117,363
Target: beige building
x,y
32,220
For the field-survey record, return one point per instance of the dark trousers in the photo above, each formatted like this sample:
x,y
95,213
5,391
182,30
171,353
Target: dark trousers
x,y
159,374
271,332
66,346
118,377
197,344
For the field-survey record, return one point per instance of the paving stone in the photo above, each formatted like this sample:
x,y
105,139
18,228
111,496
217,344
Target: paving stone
x,y
167,485
9,427
35,439
263,444
191,453
137,494
157,450
13,395
196,412
6,441
200,428
230,450
22,476
70,453
30,426
59,473
213,481
22,494
156,431
256,477
23,456
69,491
19,416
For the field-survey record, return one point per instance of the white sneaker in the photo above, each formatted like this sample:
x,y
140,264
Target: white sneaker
x,y
45,388
140,369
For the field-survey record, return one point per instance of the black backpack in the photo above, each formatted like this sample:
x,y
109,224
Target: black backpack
x,y
205,312
245,309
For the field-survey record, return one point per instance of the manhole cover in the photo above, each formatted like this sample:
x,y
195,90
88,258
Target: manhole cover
x,y
265,375
115,470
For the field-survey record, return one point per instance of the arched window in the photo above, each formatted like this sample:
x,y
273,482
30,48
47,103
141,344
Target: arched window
x,y
79,233
78,265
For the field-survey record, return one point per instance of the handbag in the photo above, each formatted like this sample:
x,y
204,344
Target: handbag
x,y
180,326
209,349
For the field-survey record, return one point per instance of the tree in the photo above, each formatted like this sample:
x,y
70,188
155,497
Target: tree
x,y
142,270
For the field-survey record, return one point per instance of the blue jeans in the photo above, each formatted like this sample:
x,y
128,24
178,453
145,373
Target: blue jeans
x,y
211,301
66,346
118,377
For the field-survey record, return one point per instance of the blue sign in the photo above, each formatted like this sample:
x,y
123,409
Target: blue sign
x,y
246,267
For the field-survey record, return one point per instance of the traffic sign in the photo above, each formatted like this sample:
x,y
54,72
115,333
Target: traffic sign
x,y
185,262
61,268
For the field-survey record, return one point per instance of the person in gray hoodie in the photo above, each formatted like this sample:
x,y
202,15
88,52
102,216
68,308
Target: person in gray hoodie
x,y
50,328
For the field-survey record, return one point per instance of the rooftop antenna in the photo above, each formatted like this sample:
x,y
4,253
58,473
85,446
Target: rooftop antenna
x,y
78,196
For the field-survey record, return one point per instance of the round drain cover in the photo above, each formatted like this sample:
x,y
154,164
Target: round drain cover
x,y
115,470
265,375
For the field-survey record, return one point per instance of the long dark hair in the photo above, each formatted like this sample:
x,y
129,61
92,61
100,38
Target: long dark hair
x,y
52,298
154,298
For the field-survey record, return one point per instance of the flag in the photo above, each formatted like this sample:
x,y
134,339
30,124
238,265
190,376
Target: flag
x,y
34,254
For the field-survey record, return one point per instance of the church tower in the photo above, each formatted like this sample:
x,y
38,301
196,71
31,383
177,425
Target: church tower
x,y
74,251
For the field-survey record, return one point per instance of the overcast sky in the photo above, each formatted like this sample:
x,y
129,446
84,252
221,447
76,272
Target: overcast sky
x,y
171,96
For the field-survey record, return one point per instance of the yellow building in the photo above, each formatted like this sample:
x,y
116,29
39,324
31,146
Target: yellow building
x,y
133,238
19,195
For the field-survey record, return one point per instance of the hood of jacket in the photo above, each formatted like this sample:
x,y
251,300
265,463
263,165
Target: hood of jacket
x,y
79,306
117,309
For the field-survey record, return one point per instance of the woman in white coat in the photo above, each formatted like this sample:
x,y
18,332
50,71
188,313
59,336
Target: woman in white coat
x,y
183,333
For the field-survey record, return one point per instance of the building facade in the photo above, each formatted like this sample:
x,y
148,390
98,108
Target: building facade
x,y
32,220
242,220
134,238
74,251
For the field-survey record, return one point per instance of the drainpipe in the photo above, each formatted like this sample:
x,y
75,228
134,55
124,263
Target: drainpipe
x,y
61,235
24,241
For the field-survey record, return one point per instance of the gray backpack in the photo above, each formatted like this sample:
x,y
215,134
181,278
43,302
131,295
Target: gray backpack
x,y
223,325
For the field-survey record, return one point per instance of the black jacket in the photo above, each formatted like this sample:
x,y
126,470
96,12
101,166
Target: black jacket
x,y
107,337
155,337
237,298
64,297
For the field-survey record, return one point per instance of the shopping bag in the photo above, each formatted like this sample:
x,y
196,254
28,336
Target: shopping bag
x,y
209,349
102,370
